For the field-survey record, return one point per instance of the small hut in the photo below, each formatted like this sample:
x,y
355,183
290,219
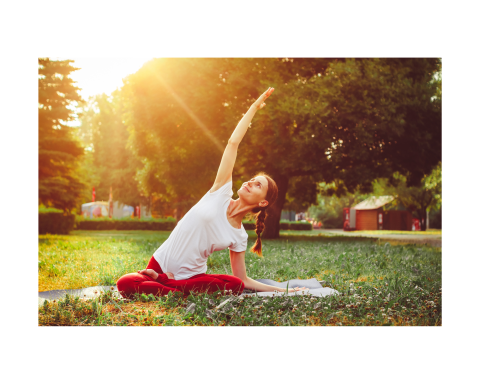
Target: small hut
x,y
369,215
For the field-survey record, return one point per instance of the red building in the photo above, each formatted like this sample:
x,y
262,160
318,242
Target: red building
x,y
369,215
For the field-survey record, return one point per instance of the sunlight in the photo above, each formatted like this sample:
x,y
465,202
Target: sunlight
x,y
100,75
185,107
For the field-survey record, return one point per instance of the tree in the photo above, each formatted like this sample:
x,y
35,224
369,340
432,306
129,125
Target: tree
x,y
175,119
59,153
348,121
182,115
110,160
352,122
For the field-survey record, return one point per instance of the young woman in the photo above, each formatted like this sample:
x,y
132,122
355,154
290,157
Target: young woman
x,y
213,224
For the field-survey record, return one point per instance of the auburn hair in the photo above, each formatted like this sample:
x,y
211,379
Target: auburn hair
x,y
261,214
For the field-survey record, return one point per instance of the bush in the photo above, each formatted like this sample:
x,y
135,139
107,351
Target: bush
x,y
55,222
284,225
126,224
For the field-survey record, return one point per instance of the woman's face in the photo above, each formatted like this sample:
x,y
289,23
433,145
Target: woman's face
x,y
254,191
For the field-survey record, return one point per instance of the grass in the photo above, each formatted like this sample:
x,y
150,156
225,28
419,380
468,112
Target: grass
x,y
379,284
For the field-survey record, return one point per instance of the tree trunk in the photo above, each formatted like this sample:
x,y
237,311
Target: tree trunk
x,y
423,219
272,223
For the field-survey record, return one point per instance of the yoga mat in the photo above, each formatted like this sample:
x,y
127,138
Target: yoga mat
x,y
313,285
314,289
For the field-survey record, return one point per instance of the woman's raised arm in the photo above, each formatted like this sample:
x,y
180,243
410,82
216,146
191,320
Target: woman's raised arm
x,y
225,169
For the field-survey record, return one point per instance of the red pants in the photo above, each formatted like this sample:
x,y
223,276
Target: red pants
x,y
135,282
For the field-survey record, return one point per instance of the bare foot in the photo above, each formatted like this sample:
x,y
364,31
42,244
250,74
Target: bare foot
x,y
149,272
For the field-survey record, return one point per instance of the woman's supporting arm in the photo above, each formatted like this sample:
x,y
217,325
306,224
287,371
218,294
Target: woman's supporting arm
x,y
237,261
225,169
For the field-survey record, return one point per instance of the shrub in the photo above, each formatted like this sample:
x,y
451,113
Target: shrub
x,y
284,225
55,222
125,224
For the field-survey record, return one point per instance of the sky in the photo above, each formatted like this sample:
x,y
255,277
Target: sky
x,y
101,75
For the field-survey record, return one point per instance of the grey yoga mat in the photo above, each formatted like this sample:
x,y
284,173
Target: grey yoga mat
x,y
314,289
313,285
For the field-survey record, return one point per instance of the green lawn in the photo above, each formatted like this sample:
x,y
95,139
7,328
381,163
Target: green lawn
x,y
379,283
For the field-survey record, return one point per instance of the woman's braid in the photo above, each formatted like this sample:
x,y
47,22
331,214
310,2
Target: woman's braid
x,y
261,214
260,222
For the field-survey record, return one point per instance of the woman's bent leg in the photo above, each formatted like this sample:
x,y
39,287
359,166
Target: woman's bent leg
x,y
208,283
133,283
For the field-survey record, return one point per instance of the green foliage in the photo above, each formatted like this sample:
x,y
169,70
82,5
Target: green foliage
x,y
59,152
284,225
55,222
176,130
331,200
109,161
349,121
381,117
42,209
302,193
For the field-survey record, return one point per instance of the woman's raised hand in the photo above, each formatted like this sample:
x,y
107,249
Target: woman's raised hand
x,y
260,103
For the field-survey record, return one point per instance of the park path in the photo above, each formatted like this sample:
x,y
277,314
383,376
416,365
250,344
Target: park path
x,y
433,240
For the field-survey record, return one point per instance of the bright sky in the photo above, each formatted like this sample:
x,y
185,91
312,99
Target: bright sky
x,y
101,75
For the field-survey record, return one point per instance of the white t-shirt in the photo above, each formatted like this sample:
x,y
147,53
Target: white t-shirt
x,y
203,230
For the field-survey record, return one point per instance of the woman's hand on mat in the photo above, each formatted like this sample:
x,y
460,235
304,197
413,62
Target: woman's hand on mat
x,y
296,289
170,275
259,104
149,272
